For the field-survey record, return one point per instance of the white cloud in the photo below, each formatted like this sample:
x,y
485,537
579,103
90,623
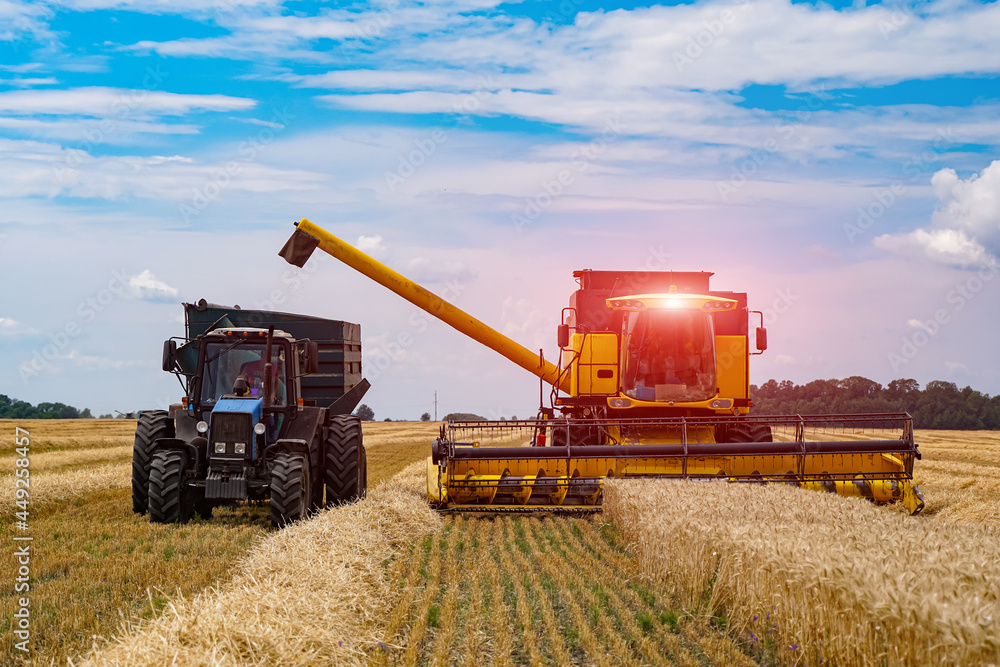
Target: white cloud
x,y
100,102
147,287
966,225
945,246
970,205
11,327
371,245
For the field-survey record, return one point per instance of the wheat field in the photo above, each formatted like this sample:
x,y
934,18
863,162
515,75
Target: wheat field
x,y
670,573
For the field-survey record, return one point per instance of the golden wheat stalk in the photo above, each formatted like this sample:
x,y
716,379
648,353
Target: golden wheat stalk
x,y
310,594
821,576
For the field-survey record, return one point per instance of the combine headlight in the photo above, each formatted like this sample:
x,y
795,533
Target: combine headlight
x,y
620,403
240,448
202,427
259,428
721,403
220,448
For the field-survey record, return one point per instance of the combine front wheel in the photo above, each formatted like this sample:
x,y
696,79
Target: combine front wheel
x,y
153,425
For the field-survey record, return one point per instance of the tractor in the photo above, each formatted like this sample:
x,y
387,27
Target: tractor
x,y
266,416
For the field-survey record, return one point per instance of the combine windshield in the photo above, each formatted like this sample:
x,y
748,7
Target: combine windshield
x,y
224,362
669,356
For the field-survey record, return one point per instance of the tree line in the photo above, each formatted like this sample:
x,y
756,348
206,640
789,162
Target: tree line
x,y
11,408
939,405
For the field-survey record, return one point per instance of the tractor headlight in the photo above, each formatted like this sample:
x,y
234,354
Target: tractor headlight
x,y
240,447
220,448
202,427
259,428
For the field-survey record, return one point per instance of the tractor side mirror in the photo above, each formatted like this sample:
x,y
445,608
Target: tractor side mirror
x,y
761,339
169,355
562,336
310,357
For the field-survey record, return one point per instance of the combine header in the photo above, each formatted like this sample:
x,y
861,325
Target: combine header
x,y
653,382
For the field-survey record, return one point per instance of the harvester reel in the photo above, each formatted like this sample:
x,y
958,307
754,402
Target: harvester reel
x,y
346,470
168,502
153,424
290,489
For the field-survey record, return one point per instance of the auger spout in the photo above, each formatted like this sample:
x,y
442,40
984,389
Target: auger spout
x,y
308,236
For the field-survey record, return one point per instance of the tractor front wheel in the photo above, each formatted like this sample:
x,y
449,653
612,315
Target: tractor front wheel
x,y
290,492
167,500
152,426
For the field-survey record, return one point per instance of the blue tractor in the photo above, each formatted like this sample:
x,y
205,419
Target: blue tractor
x,y
266,416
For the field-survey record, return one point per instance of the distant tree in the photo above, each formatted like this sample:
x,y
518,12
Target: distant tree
x,y
387,419
364,413
463,417
107,416
426,417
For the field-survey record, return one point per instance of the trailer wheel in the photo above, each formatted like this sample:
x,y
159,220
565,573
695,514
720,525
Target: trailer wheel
x,y
153,425
167,500
289,489
346,470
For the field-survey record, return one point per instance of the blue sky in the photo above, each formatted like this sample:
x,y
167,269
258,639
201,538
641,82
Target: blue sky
x,y
839,162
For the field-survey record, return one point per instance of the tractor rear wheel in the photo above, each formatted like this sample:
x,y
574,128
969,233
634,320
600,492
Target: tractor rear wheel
x,y
153,425
168,501
290,492
346,469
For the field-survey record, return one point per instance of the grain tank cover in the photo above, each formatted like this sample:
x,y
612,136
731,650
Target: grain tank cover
x,y
339,343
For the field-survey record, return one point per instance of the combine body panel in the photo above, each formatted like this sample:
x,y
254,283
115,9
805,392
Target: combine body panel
x,y
653,381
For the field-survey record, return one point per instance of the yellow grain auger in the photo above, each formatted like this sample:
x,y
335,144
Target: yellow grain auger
x,y
653,382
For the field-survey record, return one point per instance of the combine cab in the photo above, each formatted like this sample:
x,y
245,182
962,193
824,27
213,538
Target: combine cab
x,y
653,382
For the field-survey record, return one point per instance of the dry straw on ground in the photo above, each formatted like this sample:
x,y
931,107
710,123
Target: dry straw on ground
x,y
308,595
816,577
49,487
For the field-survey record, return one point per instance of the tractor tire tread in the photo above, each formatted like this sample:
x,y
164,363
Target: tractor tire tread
x,y
152,425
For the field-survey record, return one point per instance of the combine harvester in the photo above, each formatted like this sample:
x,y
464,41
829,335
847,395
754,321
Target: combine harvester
x,y
653,382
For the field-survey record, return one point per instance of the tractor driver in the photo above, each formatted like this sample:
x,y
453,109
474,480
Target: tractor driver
x,y
253,372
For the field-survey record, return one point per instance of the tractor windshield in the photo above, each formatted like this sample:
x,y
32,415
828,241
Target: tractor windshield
x,y
669,355
226,361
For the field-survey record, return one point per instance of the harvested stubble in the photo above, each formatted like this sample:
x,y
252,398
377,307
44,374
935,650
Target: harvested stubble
x,y
535,591
809,576
309,594
50,487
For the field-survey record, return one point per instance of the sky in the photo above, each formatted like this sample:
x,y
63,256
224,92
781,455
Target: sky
x,y
837,161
